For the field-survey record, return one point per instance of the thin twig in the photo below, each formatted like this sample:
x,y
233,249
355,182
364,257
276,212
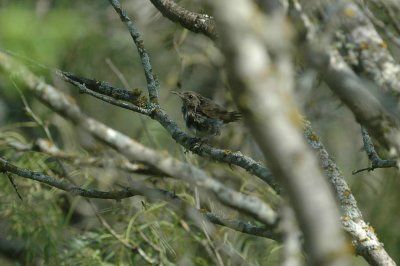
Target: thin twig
x,y
152,82
32,114
376,161
242,226
133,248
13,184
83,88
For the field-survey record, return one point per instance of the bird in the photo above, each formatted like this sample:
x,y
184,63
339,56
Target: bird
x,y
203,116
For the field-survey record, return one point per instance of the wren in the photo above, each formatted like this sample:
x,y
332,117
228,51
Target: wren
x,y
203,116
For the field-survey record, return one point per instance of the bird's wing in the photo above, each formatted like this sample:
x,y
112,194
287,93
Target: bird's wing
x,y
216,112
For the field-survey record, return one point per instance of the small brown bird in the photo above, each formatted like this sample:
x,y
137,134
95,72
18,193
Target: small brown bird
x,y
203,116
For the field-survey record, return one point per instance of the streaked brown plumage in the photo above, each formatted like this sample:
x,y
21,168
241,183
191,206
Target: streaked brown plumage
x,y
202,115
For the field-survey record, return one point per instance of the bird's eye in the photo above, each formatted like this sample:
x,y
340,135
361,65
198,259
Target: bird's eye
x,y
190,96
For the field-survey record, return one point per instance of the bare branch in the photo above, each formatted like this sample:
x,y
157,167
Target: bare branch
x,y
368,110
10,178
382,26
376,161
152,82
198,23
137,189
244,227
364,238
375,61
292,248
101,89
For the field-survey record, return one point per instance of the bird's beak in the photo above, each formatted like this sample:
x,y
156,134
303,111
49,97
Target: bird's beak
x,y
177,93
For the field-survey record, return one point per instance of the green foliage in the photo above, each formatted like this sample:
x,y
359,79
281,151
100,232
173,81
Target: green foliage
x,y
162,235
42,39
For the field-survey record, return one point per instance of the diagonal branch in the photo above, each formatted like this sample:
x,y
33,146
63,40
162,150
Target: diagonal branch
x,y
198,23
376,161
367,109
363,236
137,189
152,82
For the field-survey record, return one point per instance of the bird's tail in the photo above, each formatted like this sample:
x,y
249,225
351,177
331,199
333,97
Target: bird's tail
x,y
232,117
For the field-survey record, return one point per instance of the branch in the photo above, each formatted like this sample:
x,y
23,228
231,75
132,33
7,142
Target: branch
x,y
292,238
198,23
152,82
364,238
262,89
367,109
376,161
244,227
49,148
383,27
373,58
136,189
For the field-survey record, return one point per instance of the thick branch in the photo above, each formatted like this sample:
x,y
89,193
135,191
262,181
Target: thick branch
x,y
364,238
367,109
199,23
374,59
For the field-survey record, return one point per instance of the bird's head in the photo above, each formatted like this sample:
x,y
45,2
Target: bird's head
x,y
189,98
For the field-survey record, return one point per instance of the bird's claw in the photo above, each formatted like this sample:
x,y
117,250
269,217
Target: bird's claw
x,y
198,142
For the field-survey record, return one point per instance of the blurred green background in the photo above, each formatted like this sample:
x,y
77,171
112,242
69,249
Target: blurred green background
x,y
88,39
